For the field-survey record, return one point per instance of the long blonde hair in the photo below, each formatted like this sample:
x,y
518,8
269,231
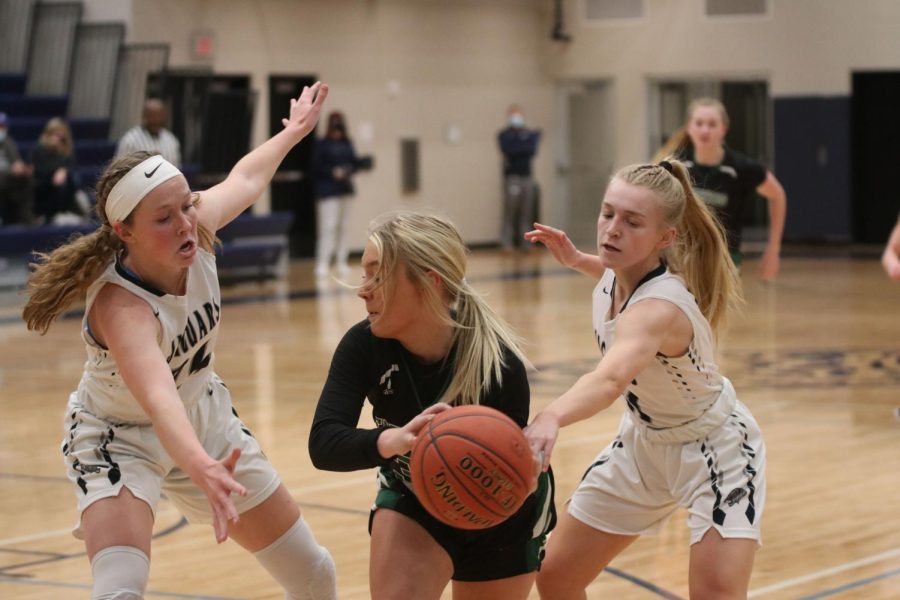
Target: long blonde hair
x,y
679,141
57,125
423,243
700,253
62,276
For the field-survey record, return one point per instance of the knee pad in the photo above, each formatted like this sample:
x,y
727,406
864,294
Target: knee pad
x,y
120,573
303,568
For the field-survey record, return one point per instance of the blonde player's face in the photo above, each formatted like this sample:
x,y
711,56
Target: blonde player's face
x,y
393,309
163,226
630,229
705,127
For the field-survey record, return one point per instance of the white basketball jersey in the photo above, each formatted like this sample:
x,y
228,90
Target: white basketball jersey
x,y
187,337
672,392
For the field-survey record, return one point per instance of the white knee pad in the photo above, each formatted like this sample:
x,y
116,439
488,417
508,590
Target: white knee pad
x,y
303,568
120,573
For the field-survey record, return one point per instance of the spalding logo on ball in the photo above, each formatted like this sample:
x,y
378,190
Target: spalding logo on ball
x,y
472,468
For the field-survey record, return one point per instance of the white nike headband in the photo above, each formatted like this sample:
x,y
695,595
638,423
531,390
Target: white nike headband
x,y
136,184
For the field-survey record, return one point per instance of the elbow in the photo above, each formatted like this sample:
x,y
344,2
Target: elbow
x,y
317,453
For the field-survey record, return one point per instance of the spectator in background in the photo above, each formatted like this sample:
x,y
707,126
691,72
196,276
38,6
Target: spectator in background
x,y
15,180
151,135
334,164
55,179
518,145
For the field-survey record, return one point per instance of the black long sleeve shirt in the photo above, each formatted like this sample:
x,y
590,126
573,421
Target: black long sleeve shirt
x,y
399,387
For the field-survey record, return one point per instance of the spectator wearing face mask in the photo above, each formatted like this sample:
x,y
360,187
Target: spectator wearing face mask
x,y
518,145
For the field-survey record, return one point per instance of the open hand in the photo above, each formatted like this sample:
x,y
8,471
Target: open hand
x,y
557,242
217,482
305,109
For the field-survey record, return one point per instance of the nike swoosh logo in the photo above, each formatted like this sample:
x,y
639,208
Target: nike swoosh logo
x,y
150,174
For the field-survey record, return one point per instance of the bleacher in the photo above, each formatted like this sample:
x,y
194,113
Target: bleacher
x,y
100,98
252,248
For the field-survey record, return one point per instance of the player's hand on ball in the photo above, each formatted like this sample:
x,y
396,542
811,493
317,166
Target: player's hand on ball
x,y
541,436
399,440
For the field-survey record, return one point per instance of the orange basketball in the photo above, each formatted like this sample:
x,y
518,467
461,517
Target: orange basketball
x,y
471,467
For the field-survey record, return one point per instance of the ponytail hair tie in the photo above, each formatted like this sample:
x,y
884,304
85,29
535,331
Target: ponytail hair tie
x,y
667,166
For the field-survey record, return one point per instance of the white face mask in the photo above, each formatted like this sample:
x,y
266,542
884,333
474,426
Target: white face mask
x,y
517,120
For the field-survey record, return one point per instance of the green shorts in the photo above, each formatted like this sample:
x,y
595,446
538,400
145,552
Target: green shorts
x,y
514,547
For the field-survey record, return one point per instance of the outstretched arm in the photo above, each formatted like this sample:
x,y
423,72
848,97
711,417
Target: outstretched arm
x,y
891,257
772,191
564,251
126,325
640,333
252,174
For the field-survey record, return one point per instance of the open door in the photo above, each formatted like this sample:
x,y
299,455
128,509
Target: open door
x,y
585,157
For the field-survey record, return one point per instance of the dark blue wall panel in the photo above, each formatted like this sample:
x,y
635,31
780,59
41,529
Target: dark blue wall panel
x,y
812,161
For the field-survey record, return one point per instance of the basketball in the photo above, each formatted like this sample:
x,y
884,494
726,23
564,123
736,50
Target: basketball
x,y
472,468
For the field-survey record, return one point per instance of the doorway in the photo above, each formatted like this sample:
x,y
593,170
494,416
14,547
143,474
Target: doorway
x,y
585,157
293,188
875,128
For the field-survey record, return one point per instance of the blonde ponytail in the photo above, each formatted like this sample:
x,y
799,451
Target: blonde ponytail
x,y
479,337
701,257
63,275
700,253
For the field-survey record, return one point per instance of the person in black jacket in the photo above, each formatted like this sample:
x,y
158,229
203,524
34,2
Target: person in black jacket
x,y
334,164
429,341
55,179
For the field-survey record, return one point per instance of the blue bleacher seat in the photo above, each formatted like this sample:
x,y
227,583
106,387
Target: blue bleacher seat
x,y
25,239
94,152
89,129
26,130
88,153
259,256
16,105
13,83
250,226
254,247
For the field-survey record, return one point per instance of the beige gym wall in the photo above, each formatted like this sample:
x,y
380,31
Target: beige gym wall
x,y
408,68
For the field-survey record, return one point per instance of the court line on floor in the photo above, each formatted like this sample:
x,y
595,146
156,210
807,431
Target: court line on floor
x,y
642,583
852,585
304,294
347,482
775,587
68,531
84,586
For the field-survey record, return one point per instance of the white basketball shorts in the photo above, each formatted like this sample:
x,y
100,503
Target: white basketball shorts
x,y
633,485
103,456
